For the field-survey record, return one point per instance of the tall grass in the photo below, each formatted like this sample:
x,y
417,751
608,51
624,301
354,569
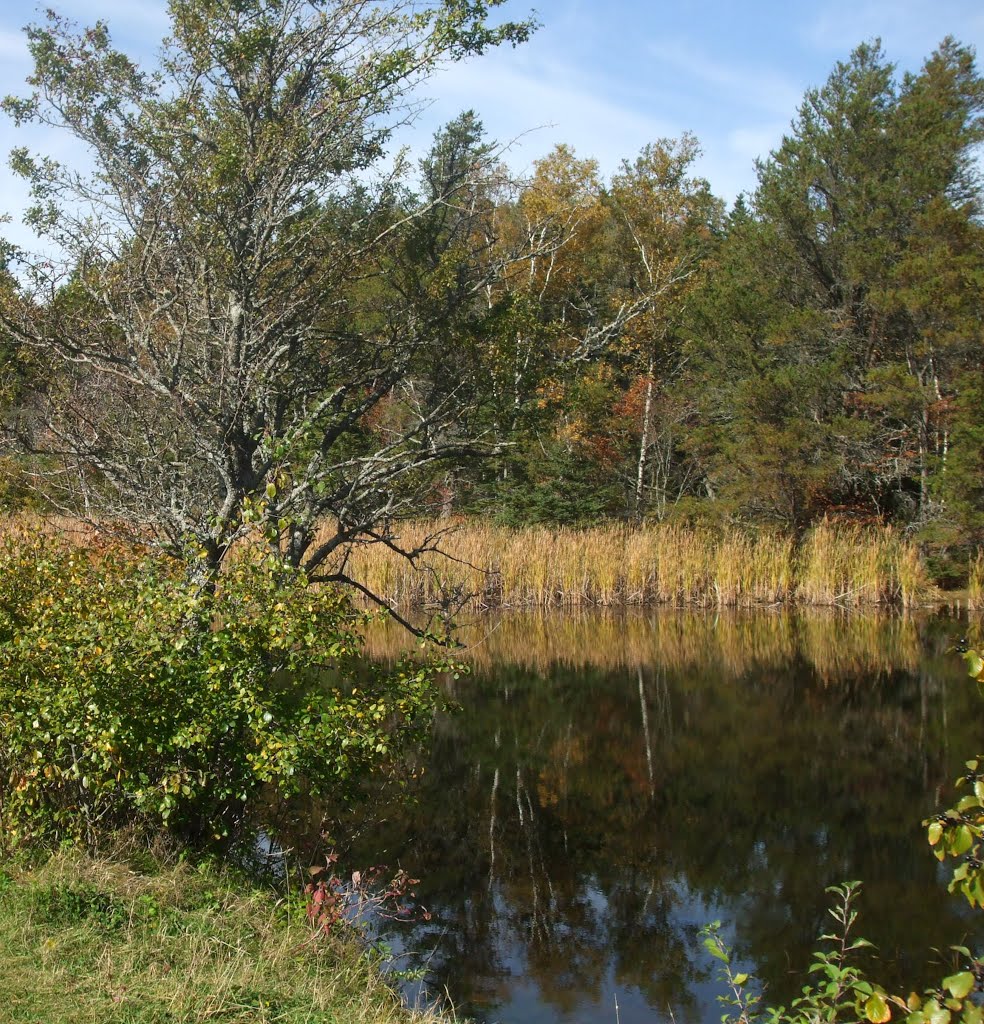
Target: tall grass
x,y
975,583
26,526
607,566
855,566
480,565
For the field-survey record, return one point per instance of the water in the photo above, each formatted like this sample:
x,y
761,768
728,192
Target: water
x,y
604,793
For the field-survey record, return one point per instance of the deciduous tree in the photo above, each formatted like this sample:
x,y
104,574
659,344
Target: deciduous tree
x,y
237,335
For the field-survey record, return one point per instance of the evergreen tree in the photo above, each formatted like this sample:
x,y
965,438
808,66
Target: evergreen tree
x,y
846,305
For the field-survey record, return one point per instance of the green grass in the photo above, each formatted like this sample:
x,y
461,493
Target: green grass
x,y
97,940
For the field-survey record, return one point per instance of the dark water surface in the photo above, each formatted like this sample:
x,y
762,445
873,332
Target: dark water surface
x,y
611,784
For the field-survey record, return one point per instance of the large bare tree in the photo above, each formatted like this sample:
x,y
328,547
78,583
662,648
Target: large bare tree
x,y
248,319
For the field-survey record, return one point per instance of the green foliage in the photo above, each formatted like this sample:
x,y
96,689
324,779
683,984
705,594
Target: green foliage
x,y
562,486
127,692
958,832
837,334
963,483
70,905
839,992
839,989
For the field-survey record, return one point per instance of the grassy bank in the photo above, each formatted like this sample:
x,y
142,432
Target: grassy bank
x,y
612,565
99,940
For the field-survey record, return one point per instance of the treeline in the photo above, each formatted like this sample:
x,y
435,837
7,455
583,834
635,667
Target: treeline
x,y
815,351
563,349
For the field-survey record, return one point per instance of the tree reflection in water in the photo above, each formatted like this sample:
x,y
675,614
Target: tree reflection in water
x,y
576,825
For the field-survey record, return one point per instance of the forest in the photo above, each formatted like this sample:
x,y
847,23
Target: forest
x,y
259,317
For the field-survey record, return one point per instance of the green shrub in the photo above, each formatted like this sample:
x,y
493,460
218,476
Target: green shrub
x,y
127,693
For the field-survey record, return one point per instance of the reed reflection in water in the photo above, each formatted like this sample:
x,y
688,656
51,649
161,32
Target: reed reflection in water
x,y
838,647
612,783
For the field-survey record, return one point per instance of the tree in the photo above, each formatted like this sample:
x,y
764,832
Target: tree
x,y
665,219
855,282
765,431
549,319
871,175
585,320
18,373
239,335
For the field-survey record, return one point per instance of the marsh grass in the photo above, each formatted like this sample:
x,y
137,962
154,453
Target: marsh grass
x,y
858,566
85,939
975,583
480,565
27,526
614,565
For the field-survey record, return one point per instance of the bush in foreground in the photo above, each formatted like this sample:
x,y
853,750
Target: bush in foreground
x,y
128,693
838,988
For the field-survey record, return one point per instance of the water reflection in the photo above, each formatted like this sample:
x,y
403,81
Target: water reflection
x,y
592,806
837,646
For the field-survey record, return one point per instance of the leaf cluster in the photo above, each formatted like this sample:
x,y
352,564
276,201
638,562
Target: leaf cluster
x,y
839,991
957,832
128,693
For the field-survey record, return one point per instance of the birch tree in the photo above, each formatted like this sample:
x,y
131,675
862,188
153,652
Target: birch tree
x,y
664,218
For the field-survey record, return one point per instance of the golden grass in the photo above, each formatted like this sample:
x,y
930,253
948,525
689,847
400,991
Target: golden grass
x,y
615,565
856,566
975,583
484,566
27,526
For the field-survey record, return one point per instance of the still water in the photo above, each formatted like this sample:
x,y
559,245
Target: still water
x,y
610,784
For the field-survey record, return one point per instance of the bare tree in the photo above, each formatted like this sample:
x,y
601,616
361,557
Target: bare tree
x,y
244,322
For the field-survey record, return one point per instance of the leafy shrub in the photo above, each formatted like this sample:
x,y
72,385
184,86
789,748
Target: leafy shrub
x,y
839,990
958,832
126,692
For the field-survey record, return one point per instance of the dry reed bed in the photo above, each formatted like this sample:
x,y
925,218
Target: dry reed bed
x,y
612,565
24,527
483,566
975,583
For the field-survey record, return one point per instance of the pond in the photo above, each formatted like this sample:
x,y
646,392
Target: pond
x,y
612,783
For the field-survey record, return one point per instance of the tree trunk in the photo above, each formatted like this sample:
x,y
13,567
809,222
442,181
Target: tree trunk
x,y
647,415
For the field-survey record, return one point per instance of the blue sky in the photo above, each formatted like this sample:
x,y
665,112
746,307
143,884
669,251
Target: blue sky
x,y
604,77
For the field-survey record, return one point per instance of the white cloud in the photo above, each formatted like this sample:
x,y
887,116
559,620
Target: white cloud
x,y
729,161
751,86
909,29
539,104
751,144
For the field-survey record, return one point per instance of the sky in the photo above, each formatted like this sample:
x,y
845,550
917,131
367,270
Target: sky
x,y
603,76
